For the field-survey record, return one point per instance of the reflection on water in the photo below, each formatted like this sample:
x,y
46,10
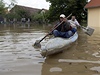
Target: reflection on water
x,y
19,57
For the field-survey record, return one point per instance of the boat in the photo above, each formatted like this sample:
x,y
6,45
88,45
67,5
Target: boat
x,y
55,45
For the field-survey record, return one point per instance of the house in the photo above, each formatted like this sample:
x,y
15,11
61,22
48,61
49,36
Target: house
x,y
25,12
93,13
29,9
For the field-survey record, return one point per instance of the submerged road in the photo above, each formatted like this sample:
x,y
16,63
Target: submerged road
x,y
19,57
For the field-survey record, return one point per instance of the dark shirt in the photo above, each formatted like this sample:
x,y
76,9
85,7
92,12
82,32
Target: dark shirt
x,y
64,27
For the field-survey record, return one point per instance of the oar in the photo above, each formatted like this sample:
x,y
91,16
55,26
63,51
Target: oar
x,y
88,30
37,43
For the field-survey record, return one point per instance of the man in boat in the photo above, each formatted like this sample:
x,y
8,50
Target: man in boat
x,y
64,30
74,23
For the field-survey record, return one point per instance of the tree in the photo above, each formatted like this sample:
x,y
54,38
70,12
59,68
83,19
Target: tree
x,y
12,16
76,7
11,4
23,13
40,16
2,7
18,13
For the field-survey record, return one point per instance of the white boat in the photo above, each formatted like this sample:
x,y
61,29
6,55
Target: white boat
x,y
55,45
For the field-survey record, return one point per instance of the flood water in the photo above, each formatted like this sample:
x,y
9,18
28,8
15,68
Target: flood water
x,y
19,57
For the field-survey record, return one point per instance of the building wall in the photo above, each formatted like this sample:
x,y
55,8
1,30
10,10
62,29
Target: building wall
x,y
94,17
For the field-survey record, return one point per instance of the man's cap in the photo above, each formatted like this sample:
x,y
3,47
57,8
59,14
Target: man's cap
x,y
62,16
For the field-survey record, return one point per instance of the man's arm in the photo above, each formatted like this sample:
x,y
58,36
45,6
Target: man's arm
x,y
76,23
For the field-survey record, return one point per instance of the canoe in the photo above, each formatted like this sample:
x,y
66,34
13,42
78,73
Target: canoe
x,y
55,45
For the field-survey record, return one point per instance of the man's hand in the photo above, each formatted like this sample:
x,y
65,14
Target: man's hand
x,y
65,19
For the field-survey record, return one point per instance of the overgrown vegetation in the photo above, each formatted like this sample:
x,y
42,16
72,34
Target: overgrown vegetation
x,y
66,7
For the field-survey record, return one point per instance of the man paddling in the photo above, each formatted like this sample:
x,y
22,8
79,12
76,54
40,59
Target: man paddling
x,y
64,30
74,23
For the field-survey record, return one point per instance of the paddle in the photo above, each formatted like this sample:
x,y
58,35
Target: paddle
x,y
88,30
37,43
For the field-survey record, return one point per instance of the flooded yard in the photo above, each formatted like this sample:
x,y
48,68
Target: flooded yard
x,y
19,57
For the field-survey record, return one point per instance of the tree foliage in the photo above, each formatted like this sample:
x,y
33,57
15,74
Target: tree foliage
x,y
39,17
4,6
76,7
18,13
11,16
22,13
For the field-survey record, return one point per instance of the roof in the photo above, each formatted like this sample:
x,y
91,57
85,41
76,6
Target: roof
x,y
93,4
29,9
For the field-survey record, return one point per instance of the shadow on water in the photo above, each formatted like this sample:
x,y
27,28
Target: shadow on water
x,y
19,57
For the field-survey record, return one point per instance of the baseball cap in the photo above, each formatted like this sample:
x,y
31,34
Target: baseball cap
x,y
62,15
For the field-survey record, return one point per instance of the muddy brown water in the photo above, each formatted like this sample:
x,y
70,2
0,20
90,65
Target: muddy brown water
x,y
19,57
